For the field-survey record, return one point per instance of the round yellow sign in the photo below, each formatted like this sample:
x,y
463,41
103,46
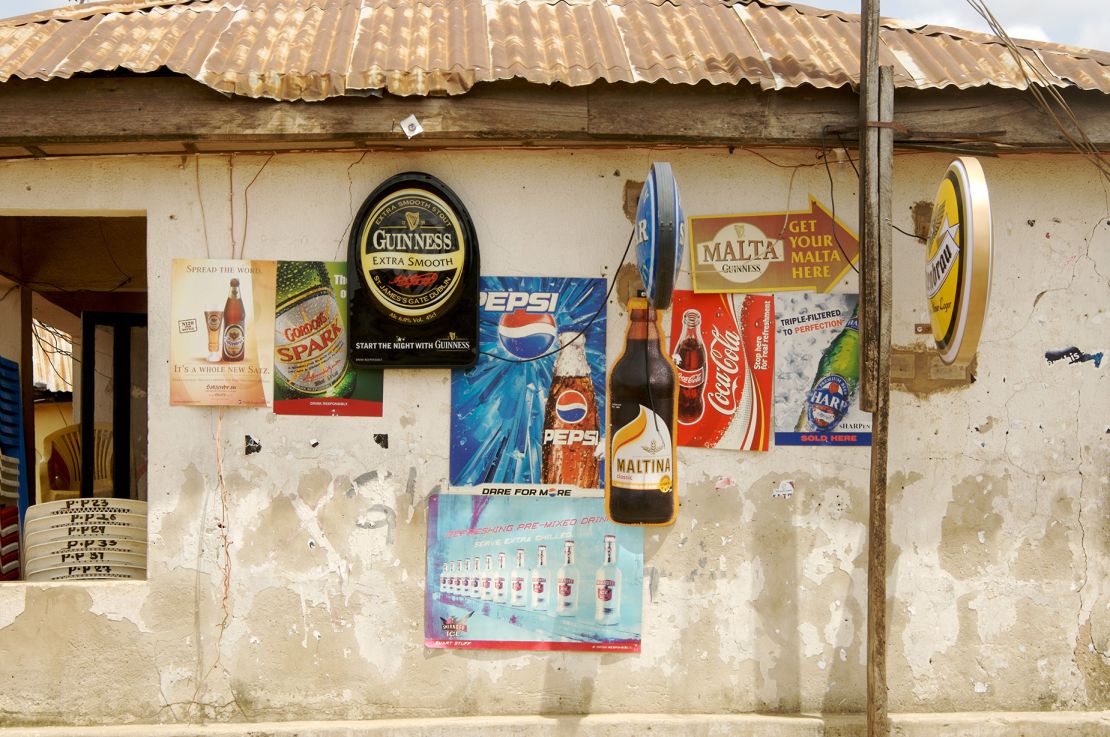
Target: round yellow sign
x,y
958,269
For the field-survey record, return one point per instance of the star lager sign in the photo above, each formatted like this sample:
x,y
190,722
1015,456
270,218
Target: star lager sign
x,y
807,250
958,264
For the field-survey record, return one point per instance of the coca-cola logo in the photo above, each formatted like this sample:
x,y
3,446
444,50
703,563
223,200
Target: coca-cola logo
x,y
724,351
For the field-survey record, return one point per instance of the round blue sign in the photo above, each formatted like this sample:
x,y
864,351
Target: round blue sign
x,y
660,235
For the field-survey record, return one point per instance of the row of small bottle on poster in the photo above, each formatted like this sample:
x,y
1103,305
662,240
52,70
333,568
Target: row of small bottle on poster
x,y
538,587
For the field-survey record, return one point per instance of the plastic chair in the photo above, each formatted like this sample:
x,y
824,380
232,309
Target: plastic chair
x,y
60,472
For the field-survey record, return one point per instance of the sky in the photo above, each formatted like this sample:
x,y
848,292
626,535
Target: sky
x,y
1076,22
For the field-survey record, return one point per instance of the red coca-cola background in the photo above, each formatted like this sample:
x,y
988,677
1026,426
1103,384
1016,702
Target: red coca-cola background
x,y
739,335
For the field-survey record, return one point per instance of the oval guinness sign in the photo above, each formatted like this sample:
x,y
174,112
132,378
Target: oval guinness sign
x,y
414,250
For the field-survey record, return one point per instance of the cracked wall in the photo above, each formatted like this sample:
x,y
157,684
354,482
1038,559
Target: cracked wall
x,y
294,590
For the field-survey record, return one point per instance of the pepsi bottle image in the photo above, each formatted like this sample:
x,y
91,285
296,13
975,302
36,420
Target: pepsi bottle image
x,y
570,425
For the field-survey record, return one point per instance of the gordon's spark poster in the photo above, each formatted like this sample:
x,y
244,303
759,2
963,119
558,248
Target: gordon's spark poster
x,y
723,347
817,372
313,374
536,573
222,332
529,416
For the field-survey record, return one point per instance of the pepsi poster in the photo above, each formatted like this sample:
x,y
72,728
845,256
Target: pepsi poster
x,y
817,371
542,573
525,419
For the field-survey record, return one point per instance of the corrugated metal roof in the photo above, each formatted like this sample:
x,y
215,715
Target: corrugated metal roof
x,y
315,49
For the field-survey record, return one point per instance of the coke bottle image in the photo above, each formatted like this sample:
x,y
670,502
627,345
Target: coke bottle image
x,y
570,426
830,396
641,488
690,361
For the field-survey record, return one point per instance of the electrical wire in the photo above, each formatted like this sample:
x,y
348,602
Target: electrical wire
x,y
1041,87
832,201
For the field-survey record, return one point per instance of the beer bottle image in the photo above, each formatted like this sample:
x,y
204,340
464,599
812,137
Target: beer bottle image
x,y
235,325
541,582
830,396
500,585
570,426
690,362
310,337
607,585
517,594
641,488
567,583
487,580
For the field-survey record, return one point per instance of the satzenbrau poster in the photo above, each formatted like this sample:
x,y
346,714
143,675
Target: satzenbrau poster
x,y
222,332
313,374
723,347
526,419
542,573
817,372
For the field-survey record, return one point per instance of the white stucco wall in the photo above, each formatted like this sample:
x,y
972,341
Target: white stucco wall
x,y
999,575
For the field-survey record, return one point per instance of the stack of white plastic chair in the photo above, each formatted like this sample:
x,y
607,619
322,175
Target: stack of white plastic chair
x,y
81,539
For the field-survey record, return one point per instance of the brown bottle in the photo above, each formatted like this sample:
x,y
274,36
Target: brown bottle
x,y
235,325
689,359
640,486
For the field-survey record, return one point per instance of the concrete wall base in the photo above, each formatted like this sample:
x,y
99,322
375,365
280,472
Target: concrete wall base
x,y
965,724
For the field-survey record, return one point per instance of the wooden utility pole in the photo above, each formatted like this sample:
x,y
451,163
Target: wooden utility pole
x,y
876,153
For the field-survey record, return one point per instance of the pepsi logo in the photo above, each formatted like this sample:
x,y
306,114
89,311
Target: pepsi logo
x,y
571,406
526,335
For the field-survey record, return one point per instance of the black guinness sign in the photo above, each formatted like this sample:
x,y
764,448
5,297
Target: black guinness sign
x,y
414,302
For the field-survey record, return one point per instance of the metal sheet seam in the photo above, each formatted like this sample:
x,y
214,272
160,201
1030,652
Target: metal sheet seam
x,y
741,12
617,14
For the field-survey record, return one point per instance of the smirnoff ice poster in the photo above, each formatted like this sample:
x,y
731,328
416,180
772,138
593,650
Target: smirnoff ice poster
x,y
817,372
525,418
222,332
723,346
538,573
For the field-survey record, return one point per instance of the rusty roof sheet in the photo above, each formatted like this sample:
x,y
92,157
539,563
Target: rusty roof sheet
x,y
315,49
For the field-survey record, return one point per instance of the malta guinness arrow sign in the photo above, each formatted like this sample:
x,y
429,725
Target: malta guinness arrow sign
x,y
771,251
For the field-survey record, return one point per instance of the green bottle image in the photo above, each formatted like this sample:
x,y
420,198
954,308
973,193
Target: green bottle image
x,y
310,335
835,384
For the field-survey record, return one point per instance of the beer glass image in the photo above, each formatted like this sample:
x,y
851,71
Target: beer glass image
x,y
214,321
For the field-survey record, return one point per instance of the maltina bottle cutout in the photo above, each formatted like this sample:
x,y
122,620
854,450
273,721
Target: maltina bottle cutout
x,y
641,476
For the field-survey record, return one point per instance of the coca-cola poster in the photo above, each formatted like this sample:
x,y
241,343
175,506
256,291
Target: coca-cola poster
x,y
541,573
222,332
723,347
525,419
313,374
817,372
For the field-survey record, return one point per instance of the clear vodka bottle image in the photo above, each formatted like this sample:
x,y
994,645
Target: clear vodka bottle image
x,y
567,583
487,580
500,582
476,578
607,586
518,594
541,582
